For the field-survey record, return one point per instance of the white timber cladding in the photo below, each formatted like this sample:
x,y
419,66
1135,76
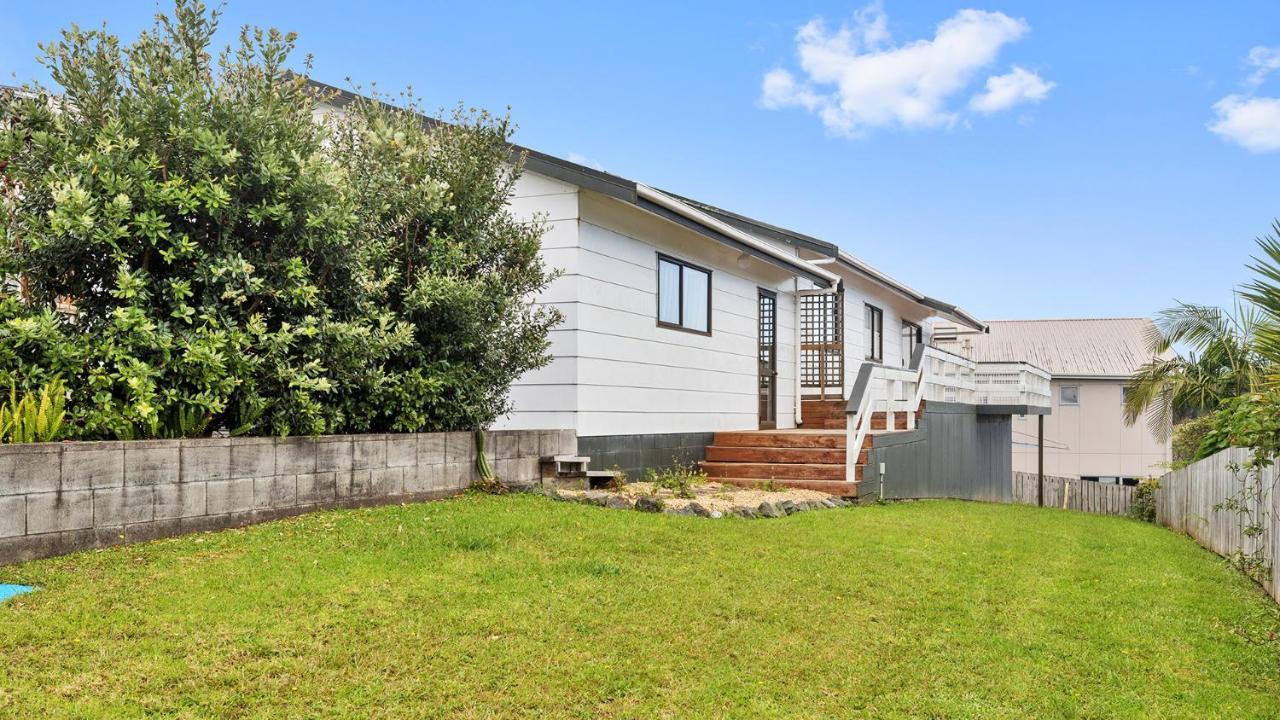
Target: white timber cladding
x,y
616,372
1089,438
547,397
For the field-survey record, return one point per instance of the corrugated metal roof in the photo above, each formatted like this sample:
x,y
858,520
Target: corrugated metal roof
x,y
1088,347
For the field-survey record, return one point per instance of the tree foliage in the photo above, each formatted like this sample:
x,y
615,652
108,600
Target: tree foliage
x,y
234,262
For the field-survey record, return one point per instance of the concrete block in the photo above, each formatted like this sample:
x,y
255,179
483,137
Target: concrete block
x,y
88,465
206,459
30,468
458,475
253,457
566,442
386,482
423,478
530,442
507,445
356,484
460,447
180,500
334,454
142,532
431,448
369,452
13,516
320,487
223,497
402,450
147,462
548,443
275,492
59,511
295,455
124,505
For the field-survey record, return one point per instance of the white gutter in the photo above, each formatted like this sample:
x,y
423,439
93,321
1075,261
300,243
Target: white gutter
x,y
662,199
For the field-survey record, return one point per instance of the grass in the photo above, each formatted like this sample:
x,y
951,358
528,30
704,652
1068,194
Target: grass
x,y
519,606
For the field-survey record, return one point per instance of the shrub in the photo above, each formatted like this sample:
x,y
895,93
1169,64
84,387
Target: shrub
x,y
36,417
679,479
1187,437
235,263
1142,506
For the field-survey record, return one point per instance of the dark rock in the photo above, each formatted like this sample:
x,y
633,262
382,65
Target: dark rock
x,y
646,503
789,507
618,502
595,497
698,509
769,510
745,511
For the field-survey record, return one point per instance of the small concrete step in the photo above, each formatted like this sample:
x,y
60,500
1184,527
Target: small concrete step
x,y
838,488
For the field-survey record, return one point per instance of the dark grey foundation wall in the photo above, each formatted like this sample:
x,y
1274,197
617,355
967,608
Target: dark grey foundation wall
x,y
958,451
633,454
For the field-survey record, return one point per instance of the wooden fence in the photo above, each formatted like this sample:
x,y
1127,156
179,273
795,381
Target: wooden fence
x,y
1187,500
1073,494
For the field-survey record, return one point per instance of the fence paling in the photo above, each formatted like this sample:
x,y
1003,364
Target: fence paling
x,y
1081,495
1188,498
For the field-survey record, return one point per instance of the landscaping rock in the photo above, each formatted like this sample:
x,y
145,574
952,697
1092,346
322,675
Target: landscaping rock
x,y
789,507
769,510
618,502
715,515
745,511
698,509
595,497
648,503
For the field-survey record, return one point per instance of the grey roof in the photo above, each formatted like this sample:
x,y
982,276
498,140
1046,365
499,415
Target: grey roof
x,y
625,190
1075,348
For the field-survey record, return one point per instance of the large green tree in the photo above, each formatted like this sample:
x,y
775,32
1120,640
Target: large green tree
x,y
234,262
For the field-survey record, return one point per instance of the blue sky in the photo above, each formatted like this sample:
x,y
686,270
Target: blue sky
x,y
1087,182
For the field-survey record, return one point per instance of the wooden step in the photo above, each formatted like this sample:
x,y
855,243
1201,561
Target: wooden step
x,y
744,454
879,421
839,488
824,424
779,438
776,471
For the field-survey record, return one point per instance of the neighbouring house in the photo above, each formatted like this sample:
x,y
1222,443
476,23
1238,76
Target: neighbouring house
x,y
1089,361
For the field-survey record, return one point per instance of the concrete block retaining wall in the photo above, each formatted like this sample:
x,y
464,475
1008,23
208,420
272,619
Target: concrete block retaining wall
x,y
61,497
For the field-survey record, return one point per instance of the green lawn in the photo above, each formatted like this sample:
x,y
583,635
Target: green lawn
x,y
520,606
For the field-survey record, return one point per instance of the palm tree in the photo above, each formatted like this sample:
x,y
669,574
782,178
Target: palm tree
x,y
1221,360
1228,354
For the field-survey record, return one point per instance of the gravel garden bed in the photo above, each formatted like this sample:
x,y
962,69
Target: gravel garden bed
x,y
705,499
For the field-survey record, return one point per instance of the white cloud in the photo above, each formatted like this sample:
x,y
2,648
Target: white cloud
x,y
1251,122
1264,60
856,79
1005,91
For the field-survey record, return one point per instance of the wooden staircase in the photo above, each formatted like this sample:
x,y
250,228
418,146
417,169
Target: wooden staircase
x,y
822,414
810,459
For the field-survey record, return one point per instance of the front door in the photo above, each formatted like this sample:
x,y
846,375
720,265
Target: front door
x,y
768,345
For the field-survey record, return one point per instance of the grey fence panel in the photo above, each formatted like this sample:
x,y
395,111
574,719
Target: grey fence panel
x,y
956,453
1189,498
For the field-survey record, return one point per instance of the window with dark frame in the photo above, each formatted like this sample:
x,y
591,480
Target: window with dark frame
x,y
912,337
875,332
684,296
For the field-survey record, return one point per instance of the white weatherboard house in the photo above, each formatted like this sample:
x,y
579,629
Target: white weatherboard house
x,y
684,322
1090,360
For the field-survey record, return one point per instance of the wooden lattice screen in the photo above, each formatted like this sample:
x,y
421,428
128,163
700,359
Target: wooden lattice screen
x,y
822,342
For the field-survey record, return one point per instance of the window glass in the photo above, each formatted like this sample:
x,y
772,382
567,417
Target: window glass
x,y
1069,395
875,332
668,292
695,299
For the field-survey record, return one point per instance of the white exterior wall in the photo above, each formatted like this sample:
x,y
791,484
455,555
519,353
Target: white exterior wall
x,y
1089,439
547,398
616,372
